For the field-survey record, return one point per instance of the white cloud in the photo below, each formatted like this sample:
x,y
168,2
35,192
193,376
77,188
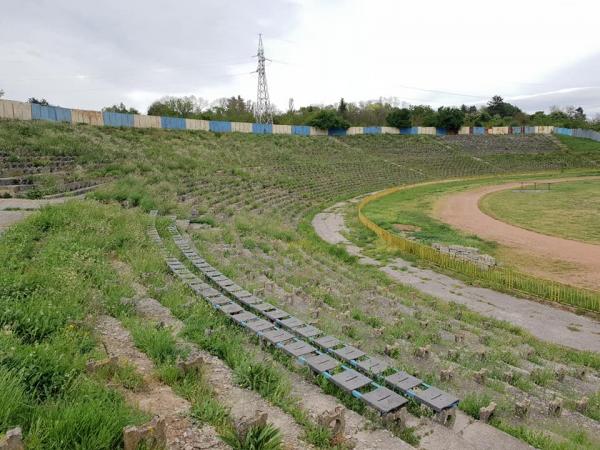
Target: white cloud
x,y
83,54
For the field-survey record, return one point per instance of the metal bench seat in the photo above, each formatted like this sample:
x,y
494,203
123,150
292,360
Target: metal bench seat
x,y
348,353
277,335
436,399
308,331
373,365
350,380
384,400
403,381
275,314
250,301
291,322
231,308
219,300
259,325
243,316
327,342
264,306
298,348
321,363
232,288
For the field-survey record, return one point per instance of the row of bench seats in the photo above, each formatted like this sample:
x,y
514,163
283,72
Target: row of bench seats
x,y
370,379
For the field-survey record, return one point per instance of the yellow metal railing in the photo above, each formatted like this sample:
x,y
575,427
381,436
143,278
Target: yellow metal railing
x,y
499,277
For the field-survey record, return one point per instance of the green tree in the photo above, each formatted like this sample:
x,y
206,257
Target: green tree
x,y
41,101
342,107
327,118
497,106
399,118
422,116
1,93
120,108
450,118
175,107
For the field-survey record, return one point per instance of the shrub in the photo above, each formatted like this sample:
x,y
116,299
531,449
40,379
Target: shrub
x,y
327,119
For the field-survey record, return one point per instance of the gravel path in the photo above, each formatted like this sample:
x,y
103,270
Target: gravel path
x,y
543,321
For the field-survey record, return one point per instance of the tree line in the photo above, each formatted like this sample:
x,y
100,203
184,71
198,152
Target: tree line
x,y
385,112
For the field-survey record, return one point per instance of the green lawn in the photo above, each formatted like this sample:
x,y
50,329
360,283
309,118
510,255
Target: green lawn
x,y
569,210
413,207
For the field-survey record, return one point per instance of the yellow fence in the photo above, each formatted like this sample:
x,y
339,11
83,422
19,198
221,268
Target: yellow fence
x,y
498,277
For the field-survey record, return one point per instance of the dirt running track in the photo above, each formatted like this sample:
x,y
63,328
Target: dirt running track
x,y
461,210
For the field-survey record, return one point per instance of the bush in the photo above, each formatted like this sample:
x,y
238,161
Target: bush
x,y
399,118
327,119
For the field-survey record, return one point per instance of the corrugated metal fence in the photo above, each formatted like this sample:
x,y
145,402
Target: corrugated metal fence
x,y
25,111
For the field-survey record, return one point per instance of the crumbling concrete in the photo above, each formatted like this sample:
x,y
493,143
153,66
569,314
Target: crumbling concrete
x,y
192,365
334,421
244,424
522,408
480,376
13,440
555,407
470,254
152,435
486,412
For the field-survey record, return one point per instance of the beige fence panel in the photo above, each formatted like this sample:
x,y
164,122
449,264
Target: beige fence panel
x,y
354,130
241,127
195,124
10,109
282,129
140,121
317,132
544,129
87,117
426,130
464,130
390,130
499,130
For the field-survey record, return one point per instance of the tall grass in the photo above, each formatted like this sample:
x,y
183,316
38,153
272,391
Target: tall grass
x,y
55,278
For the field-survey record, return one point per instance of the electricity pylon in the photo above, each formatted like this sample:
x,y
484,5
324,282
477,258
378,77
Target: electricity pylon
x,y
262,109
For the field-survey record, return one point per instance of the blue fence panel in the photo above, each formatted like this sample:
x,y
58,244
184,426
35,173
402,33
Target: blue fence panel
x,y
411,130
262,128
372,130
336,132
301,130
515,130
219,126
176,123
478,130
51,113
441,132
587,134
563,131
113,119
529,130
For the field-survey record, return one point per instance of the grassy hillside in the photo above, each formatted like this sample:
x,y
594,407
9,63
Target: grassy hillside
x,y
250,198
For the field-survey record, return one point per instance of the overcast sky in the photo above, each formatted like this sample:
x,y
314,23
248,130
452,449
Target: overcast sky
x,y
90,54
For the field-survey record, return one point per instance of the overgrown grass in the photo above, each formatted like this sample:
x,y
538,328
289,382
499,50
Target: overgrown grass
x,y
55,278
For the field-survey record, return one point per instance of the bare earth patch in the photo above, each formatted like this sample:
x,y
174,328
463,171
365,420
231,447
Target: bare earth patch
x,y
406,228
156,398
461,210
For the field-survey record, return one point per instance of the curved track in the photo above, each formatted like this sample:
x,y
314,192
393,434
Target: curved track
x,y
461,210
